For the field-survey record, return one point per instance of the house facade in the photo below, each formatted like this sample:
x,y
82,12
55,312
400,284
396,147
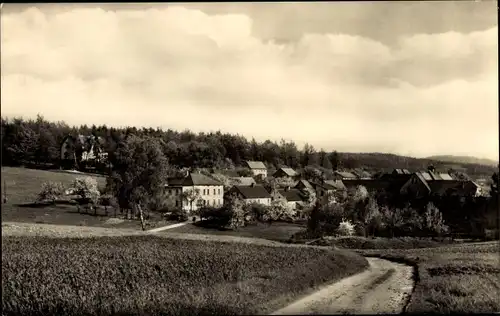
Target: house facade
x,y
252,194
258,168
194,191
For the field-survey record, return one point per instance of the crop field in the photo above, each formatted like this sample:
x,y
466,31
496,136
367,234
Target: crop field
x,y
140,275
461,278
22,186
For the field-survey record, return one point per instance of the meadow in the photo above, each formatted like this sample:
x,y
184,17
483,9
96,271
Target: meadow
x,y
461,278
22,186
277,231
149,275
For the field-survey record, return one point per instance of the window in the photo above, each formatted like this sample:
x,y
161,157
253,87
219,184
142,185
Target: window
x,y
218,191
214,192
176,203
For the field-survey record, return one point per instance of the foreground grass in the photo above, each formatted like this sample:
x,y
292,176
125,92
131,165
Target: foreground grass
x,y
453,279
142,275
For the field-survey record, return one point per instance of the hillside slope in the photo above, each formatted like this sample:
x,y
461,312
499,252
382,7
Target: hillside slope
x,y
464,160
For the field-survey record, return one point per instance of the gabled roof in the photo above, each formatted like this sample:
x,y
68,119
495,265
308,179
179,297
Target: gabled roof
x,y
425,175
333,185
423,180
256,165
252,192
193,179
445,176
288,171
345,174
292,195
306,184
362,173
244,181
442,187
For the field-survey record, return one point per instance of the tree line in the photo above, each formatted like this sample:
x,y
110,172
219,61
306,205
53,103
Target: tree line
x,y
38,141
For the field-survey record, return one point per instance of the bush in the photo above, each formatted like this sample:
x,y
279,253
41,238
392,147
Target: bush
x,y
346,228
87,188
51,191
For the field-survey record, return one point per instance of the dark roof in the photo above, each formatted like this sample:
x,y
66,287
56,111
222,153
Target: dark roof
x,y
305,183
292,195
256,165
442,187
252,192
395,181
193,179
288,171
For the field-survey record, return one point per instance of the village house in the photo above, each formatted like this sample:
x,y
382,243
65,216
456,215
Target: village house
x,y
252,194
294,197
305,185
328,187
82,149
361,174
258,168
195,190
344,175
286,173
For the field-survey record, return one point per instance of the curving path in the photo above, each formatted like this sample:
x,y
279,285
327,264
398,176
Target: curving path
x,y
384,288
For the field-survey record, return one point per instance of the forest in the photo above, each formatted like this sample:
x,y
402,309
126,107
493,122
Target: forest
x,y
37,142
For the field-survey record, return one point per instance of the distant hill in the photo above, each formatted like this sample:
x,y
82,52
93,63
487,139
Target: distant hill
x,y
464,160
375,162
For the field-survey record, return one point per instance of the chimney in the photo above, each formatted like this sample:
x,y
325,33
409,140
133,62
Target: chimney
x,y
287,188
187,173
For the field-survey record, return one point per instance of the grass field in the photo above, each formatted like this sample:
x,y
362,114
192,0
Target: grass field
x,y
277,231
356,242
148,275
461,278
22,186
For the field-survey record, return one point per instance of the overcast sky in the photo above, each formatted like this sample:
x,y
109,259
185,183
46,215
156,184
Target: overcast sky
x,y
413,78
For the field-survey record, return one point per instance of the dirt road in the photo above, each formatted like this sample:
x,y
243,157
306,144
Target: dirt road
x,y
382,289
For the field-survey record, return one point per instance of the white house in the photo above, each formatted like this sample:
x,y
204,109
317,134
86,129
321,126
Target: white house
x,y
257,168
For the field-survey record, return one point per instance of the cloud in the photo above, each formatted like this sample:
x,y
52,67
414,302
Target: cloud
x,y
181,68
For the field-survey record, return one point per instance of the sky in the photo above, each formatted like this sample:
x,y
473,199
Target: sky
x,y
410,78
